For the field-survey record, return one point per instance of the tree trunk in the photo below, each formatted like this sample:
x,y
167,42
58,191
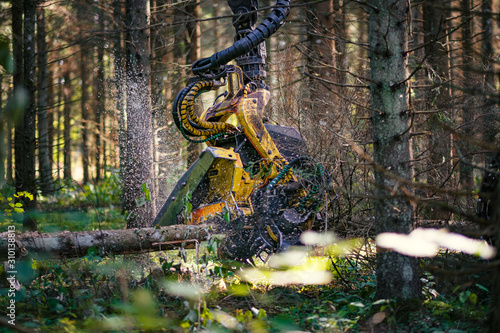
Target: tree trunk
x,y
51,113
325,62
194,33
138,178
59,114
396,274
9,172
18,77
340,56
84,112
161,91
17,44
66,245
44,165
438,96
494,320
25,142
119,79
467,105
3,131
67,124
490,115
320,59
100,101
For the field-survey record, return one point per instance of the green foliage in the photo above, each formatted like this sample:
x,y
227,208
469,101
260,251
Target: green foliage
x,y
71,208
169,291
188,207
11,206
173,291
105,194
145,197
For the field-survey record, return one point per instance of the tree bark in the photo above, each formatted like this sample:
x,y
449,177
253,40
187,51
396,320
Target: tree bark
x,y
44,165
138,178
325,62
51,116
396,274
67,174
468,104
100,101
3,131
9,172
194,32
490,116
84,112
161,90
438,96
119,80
320,60
59,115
25,142
17,44
494,317
65,245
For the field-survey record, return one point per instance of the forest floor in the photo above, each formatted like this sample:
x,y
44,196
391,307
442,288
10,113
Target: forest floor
x,y
171,291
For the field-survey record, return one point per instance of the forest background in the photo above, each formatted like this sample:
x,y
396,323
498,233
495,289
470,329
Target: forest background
x,y
86,130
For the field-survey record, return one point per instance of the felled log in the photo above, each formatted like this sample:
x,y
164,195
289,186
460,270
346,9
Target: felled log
x,y
58,245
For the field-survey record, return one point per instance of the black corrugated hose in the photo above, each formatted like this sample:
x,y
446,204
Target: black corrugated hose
x,y
263,31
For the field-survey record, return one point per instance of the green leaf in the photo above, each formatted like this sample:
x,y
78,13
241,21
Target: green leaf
x,y
189,207
227,216
464,295
483,288
146,191
473,298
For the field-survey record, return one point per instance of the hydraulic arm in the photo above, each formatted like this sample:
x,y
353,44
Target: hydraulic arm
x,y
254,178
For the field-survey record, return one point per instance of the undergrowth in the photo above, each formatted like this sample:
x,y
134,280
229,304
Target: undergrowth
x,y
170,292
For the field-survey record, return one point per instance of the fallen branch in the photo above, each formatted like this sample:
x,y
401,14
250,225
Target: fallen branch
x,y
67,244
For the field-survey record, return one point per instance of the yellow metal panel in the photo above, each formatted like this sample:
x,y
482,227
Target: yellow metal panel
x,y
228,154
249,115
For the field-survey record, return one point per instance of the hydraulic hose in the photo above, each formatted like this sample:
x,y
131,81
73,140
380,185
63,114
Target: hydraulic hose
x,y
263,31
176,108
188,118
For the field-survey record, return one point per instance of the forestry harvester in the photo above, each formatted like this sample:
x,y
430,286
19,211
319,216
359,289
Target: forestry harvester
x,y
253,178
